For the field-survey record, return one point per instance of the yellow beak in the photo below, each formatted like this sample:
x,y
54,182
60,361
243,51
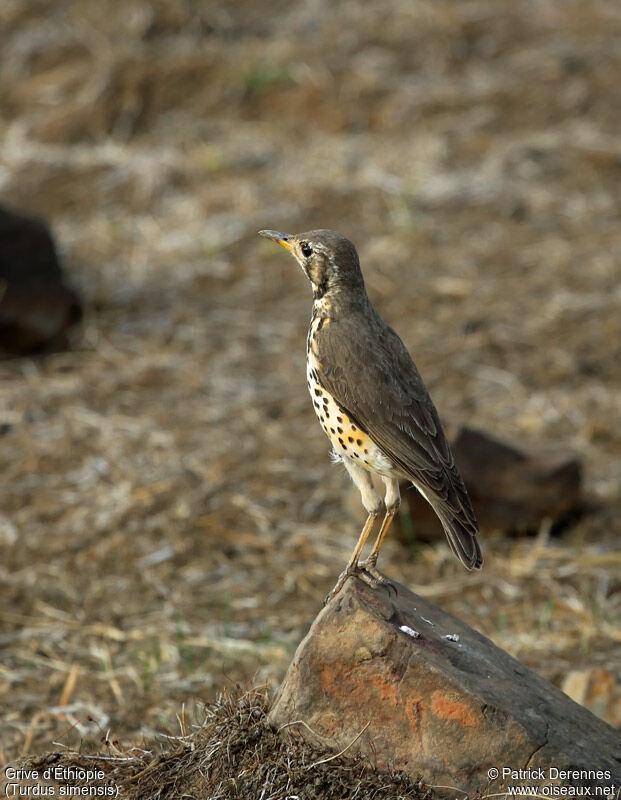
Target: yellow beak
x,y
282,238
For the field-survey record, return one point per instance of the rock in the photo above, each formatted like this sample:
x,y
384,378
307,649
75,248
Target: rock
x,y
516,487
513,488
36,307
598,690
440,699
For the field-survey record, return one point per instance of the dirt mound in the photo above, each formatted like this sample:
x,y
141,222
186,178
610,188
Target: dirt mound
x,y
233,755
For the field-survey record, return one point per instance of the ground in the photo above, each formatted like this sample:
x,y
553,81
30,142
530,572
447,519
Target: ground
x,y
169,518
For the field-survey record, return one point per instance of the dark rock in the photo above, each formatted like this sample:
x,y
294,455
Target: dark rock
x,y
512,487
36,307
440,699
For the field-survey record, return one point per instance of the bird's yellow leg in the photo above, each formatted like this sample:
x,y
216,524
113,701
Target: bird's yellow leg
x,y
364,535
393,501
352,566
370,562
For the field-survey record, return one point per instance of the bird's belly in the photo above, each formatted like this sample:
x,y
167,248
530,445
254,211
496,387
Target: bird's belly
x,y
348,439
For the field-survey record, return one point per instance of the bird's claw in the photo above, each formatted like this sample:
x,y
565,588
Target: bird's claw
x,y
373,577
366,572
349,572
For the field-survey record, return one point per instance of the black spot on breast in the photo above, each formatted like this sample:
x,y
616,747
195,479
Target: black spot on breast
x,y
342,443
356,455
359,442
339,420
353,427
318,392
366,452
340,430
316,404
332,430
350,439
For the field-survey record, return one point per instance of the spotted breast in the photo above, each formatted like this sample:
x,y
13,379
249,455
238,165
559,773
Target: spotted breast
x,y
348,439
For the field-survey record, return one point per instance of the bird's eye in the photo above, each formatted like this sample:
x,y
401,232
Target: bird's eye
x,y
306,249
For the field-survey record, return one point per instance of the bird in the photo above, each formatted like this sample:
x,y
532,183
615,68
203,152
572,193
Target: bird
x,y
371,402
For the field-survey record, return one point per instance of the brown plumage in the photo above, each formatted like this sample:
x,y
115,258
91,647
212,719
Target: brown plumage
x,y
360,372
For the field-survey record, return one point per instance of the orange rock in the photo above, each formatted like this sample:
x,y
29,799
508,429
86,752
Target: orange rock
x,y
435,698
449,708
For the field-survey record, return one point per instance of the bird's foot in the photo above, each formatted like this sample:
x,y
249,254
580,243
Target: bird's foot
x,y
373,577
366,572
349,572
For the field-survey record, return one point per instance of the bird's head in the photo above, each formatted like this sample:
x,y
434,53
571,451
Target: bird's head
x,y
329,260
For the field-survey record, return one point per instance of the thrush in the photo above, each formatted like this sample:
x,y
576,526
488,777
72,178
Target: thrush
x,y
373,405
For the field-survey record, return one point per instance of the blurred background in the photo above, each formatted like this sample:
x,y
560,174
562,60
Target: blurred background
x,y
169,518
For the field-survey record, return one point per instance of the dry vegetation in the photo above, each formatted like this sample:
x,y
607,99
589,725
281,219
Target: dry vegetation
x,y
232,755
169,519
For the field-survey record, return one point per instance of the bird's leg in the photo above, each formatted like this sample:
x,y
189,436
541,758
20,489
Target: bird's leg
x,y
374,505
352,567
393,501
369,563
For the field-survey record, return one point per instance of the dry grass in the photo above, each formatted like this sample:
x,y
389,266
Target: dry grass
x,y
169,520
232,755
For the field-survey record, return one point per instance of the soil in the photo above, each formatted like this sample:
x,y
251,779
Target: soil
x,y
169,518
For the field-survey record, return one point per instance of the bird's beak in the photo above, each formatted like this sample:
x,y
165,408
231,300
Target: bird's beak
x,y
282,238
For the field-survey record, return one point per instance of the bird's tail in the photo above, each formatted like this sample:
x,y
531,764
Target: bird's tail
x,y
461,531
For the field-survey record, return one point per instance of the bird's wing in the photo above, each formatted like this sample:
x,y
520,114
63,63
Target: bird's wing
x,y
369,372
